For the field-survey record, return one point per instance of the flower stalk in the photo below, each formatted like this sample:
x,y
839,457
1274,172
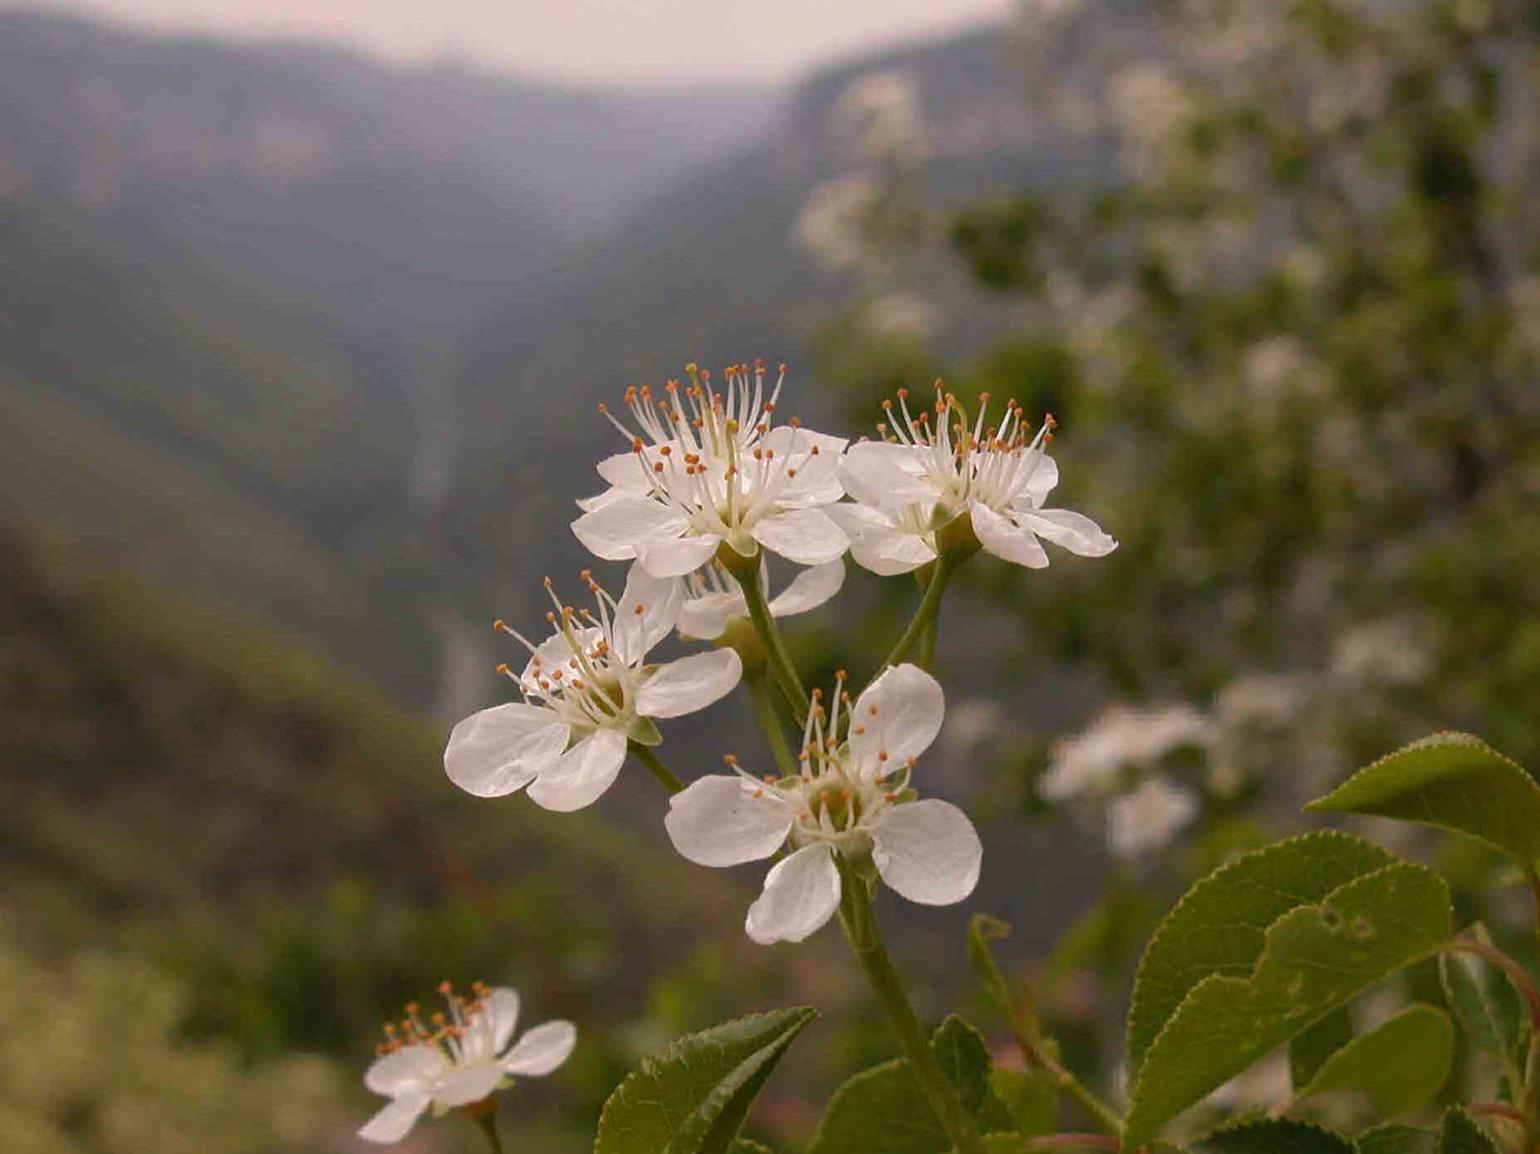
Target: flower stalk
x,y
760,697
655,766
485,1117
866,941
925,614
746,571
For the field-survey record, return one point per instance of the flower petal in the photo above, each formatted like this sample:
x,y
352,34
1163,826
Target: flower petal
x,y
1005,539
801,893
898,715
503,749
625,471
878,544
884,474
718,821
1079,534
466,1084
816,459
808,589
617,528
395,1119
705,617
501,1013
1042,479
928,851
405,1071
582,774
676,556
691,683
645,614
541,1050
806,536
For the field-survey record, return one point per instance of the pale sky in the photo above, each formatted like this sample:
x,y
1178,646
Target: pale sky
x,y
581,39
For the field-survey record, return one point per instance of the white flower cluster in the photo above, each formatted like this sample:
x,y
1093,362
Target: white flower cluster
x,y
713,482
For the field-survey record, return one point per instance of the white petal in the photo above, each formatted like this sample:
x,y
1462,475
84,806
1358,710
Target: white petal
x,y
582,774
705,617
620,526
503,749
466,1084
805,536
541,1050
646,612
877,544
817,479
626,472
884,474
555,652
801,893
395,1119
1005,539
600,500
1044,476
676,556
717,821
899,715
691,683
808,589
501,1013
1077,533
405,1071
928,851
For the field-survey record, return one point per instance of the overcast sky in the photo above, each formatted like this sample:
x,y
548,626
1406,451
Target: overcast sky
x,y
581,39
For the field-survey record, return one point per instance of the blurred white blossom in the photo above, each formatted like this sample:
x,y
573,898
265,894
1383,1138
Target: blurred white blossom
x,y
1148,819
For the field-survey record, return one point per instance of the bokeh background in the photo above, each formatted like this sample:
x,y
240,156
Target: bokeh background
x,y
304,314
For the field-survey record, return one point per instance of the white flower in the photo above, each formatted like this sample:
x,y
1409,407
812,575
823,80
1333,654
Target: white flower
x,y
587,689
1093,761
852,798
907,488
458,1058
710,468
712,598
1149,817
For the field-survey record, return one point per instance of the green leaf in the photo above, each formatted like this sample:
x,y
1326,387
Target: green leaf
x,y
884,1108
1400,1065
1308,1051
1031,1101
1484,1001
1273,1136
1397,1138
692,1098
1315,958
1453,781
1461,1135
748,1146
1219,926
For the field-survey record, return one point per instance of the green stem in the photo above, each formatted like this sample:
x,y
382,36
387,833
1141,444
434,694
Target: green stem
x,y
645,755
781,664
769,721
862,933
925,613
486,1121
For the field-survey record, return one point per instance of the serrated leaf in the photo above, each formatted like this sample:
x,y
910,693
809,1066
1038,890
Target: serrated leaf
x,y
1315,958
1273,1136
1460,1135
693,1096
1400,1065
1397,1138
885,1109
1453,781
1219,926
1483,1000
1031,1101
1309,1050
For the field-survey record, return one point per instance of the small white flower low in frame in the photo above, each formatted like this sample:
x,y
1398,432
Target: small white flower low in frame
x,y
935,468
708,469
852,798
457,1058
712,598
587,689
